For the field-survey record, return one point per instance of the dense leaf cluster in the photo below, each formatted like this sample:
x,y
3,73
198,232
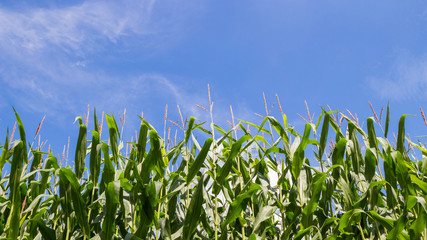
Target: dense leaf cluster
x,y
268,183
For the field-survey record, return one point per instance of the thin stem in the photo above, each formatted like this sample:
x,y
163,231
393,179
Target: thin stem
x,y
214,162
158,213
90,209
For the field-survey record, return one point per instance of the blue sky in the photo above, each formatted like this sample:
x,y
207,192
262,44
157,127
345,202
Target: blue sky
x,y
56,58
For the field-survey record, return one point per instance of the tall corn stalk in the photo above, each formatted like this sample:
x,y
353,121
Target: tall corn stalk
x,y
332,181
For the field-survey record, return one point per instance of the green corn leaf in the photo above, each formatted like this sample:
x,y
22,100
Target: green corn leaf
x,y
65,194
307,213
46,232
113,131
219,129
79,205
300,235
142,142
411,202
79,159
319,119
189,129
154,158
235,149
95,121
387,120
244,169
419,183
108,173
390,177
324,135
35,203
419,224
356,126
424,158
4,153
386,222
282,133
172,204
401,135
108,225
403,176
239,204
192,218
146,123
370,164
200,159
22,136
299,154
95,153
146,212
264,213
356,154
51,162
337,130
399,225
95,158
348,218
372,136
199,126
13,222
35,164
338,158
261,139
274,150
285,120
147,167
156,151
111,122
260,128
349,196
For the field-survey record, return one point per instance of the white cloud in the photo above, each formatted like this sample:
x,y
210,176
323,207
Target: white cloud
x,y
75,28
45,51
147,88
407,80
48,61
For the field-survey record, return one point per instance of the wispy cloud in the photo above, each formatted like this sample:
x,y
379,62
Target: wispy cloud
x,y
406,81
76,28
145,90
47,62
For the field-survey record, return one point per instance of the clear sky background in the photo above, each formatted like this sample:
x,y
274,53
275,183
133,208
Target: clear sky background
x,y
56,58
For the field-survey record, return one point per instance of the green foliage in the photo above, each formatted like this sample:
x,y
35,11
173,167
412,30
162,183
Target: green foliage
x,y
294,186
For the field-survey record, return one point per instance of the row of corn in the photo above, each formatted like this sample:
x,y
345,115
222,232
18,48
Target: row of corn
x,y
334,180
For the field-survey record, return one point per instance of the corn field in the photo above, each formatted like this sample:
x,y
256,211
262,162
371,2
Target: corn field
x,y
335,180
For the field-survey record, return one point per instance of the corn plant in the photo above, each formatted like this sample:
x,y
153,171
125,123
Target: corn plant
x,y
251,181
